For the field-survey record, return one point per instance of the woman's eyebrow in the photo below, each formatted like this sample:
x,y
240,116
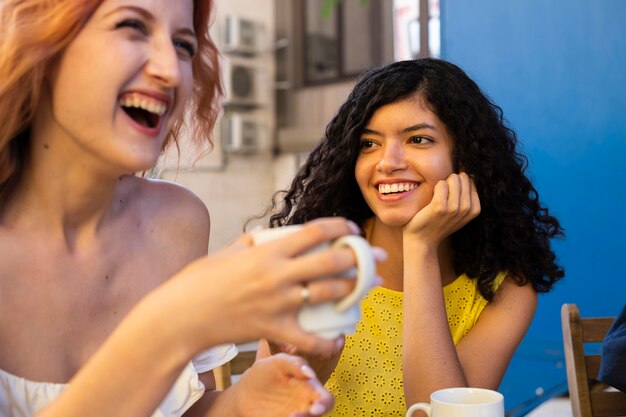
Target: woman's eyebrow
x,y
419,126
413,128
139,10
148,16
371,132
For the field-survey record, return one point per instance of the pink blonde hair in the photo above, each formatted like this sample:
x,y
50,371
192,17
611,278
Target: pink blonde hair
x,y
33,33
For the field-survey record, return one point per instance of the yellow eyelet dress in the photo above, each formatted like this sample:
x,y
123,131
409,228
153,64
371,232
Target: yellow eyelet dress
x,y
368,378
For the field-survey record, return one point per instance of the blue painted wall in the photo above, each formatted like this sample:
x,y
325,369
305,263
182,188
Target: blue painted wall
x,y
558,70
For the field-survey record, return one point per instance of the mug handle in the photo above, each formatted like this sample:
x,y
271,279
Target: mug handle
x,y
366,270
418,406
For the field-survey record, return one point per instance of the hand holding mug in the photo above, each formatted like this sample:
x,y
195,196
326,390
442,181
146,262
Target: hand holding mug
x,y
331,319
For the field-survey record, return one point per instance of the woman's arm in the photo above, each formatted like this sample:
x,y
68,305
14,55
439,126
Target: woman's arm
x,y
189,227
280,385
257,287
132,371
430,359
485,352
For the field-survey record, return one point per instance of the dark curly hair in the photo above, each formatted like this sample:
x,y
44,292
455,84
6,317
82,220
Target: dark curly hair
x,y
512,232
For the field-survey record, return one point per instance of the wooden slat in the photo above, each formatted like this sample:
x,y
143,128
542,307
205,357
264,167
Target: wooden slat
x,y
241,362
223,374
582,370
222,377
592,363
608,404
594,328
577,380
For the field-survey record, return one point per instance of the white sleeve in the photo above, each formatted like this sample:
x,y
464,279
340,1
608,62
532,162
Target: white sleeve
x,y
214,357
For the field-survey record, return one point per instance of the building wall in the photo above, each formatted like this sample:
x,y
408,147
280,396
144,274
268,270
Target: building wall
x,y
238,187
557,70
234,187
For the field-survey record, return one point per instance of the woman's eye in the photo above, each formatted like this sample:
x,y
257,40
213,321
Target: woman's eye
x,y
366,144
187,49
134,24
418,140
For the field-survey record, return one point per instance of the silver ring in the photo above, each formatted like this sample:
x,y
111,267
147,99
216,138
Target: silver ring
x,y
305,293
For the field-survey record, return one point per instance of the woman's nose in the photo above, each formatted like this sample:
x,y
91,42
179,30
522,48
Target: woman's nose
x,y
392,159
163,64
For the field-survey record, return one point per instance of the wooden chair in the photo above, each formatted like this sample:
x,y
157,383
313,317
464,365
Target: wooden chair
x,y
589,397
224,374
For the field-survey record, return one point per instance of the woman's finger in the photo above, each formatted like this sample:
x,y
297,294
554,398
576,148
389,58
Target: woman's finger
x,y
305,342
321,264
475,199
242,242
314,233
320,291
465,200
454,193
440,197
297,367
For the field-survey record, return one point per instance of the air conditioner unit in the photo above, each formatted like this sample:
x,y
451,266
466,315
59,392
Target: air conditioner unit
x,y
242,133
244,83
243,36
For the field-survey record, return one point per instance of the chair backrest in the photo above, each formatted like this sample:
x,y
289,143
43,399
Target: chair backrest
x,y
589,397
237,366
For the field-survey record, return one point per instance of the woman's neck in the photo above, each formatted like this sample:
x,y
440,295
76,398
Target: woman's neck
x,y
61,197
392,270
63,184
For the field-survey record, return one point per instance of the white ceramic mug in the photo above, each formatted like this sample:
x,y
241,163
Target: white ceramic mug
x,y
462,402
331,319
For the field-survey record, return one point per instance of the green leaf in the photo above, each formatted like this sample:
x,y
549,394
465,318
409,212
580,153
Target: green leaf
x,y
329,6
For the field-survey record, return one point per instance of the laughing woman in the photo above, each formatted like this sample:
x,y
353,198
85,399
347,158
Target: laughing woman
x,y
421,159
91,92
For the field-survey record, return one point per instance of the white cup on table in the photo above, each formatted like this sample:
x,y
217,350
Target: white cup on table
x,y
462,402
331,319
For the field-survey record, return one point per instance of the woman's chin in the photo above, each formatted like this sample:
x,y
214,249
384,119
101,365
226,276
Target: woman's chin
x,y
395,221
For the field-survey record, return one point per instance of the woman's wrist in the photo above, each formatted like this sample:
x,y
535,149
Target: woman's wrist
x,y
185,322
415,245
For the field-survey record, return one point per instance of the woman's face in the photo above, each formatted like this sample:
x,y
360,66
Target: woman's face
x,y
120,85
405,150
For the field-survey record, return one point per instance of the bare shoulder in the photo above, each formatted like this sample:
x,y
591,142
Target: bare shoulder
x,y
176,213
506,318
486,350
513,305
170,199
510,293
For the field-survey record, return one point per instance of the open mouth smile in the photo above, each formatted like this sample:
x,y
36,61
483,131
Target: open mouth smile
x,y
396,188
144,110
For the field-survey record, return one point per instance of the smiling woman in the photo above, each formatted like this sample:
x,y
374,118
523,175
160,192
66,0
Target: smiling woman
x,y
419,155
422,160
92,92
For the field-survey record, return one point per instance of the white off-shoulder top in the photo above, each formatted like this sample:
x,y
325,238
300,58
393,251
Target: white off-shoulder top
x,y
23,398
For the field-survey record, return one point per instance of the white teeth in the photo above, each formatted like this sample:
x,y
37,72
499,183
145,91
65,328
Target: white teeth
x,y
396,187
143,103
